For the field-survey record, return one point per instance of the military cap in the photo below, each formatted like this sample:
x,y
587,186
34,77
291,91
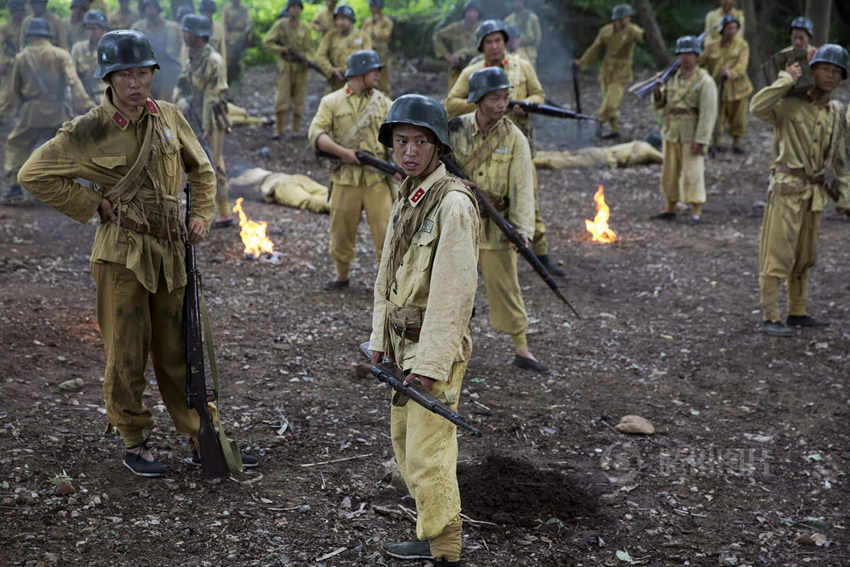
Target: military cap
x,y
96,18
487,27
688,44
416,110
37,27
361,62
345,11
207,7
197,24
123,49
289,4
486,80
621,11
728,19
376,4
471,5
803,23
831,53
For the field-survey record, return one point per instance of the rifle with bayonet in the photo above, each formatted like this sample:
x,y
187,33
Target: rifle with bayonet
x,y
395,379
294,57
551,110
198,396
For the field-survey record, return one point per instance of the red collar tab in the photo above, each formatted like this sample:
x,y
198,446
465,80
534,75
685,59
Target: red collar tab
x,y
120,120
152,107
417,195
347,91
505,62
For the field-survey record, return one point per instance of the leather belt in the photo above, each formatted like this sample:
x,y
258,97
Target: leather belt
x,y
682,111
161,231
409,333
799,173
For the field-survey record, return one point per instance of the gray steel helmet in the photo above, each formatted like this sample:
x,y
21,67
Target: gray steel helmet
x,y
123,49
197,24
17,5
831,53
486,80
361,62
688,44
79,4
96,18
155,3
621,11
183,11
290,3
416,110
37,27
487,27
376,4
728,19
471,5
207,7
803,23
346,11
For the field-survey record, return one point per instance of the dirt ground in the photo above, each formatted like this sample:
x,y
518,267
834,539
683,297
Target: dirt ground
x,y
747,466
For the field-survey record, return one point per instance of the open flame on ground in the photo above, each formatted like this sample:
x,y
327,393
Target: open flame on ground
x,y
258,246
598,227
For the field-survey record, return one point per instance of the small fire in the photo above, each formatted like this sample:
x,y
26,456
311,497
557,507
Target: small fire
x,y
598,227
253,234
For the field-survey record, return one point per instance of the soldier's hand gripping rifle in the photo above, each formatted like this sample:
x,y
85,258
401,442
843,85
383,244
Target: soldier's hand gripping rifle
x,y
644,88
394,379
551,110
197,395
293,56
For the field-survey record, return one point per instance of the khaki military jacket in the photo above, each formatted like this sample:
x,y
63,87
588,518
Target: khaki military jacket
x,y
530,31
85,62
714,17
119,20
335,48
39,76
282,37
380,34
237,23
525,86
456,39
438,275
57,28
689,107
10,36
76,32
619,52
324,22
353,120
735,56
170,31
218,40
100,147
203,83
506,177
804,131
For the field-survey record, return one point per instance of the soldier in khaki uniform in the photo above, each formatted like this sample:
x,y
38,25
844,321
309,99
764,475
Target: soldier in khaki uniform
x,y
167,41
456,42
492,38
379,28
714,18
491,150
203,88
58,32
424,294
218,39
619,39
39,76
810,164
10,36
289,34
800,51
84,54
237,28
135,151
348,120
123,17
726,58
530,33
338,44
324,20
688,101
74,25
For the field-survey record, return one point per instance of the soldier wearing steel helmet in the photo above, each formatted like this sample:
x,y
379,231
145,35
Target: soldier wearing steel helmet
x,y
39,76
10,36
323,23
166,38
456,42
84,54
123,17
801,51
714,18
493,151
58,31
618,38
423,299
74,25
218,39
380,29
134,152
348,120
528,31
237,28
338,44
809,166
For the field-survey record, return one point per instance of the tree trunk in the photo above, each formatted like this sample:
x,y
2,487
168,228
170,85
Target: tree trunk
x,y
758,51
646,16
819,11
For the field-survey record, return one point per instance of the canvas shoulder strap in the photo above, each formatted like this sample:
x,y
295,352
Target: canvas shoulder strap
x,y
125,189
482,152
354,135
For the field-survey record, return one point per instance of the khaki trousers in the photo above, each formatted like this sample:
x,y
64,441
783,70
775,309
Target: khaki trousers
x,y
135,323
499,272
612,94
347,204
787,250
291,93
425,447
215,139
682,175
21,143
734,113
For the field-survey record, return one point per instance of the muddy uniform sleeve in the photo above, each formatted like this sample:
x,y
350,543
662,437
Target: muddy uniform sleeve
x,y
81,99
533,35
323,55
534,94
215,91
441,41
707,112
592,52
454,277
765,103
739,68
456,100
322,122
521,187
199,171
273,41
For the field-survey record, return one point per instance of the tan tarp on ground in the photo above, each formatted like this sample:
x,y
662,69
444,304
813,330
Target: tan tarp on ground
x,y
296,191
621,155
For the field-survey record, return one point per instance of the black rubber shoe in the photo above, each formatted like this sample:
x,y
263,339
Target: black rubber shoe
x,y
335,284
550,266
141,467
775,329
408,550
13,196
665,216
248,461
530,364
805,321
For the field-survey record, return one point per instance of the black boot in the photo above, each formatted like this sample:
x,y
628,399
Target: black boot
x,y
553,269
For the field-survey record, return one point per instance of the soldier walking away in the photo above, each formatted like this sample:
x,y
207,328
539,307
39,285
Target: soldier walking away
x,y
237,28
75,25
800,51
492,38
290,38
218,39
84,54
528,30
490,149
348,120
338,44
10,44
202,90
688,101
618,38
380,30
456,42
40,73
726,58
714,18
135,150
809,166
423,302
123,17
323,23
166,38
58,32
